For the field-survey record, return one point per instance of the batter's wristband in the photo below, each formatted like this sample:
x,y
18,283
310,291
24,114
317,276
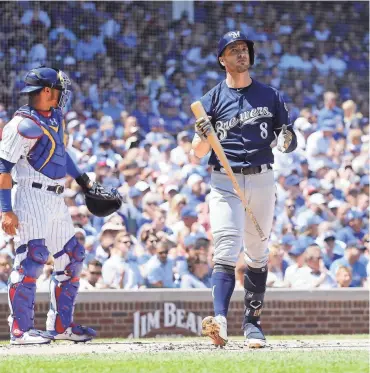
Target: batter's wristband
x,y
6,200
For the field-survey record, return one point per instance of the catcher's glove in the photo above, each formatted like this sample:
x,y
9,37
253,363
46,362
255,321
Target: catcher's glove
x,y
99,201
284,139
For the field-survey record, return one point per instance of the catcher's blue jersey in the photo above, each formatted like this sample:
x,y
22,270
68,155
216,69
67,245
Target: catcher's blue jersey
x,y
245,120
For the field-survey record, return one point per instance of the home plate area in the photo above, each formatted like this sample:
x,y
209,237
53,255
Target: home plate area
x,y
194,346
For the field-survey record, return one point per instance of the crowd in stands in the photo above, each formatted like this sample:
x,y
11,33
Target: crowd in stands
x,y
135,72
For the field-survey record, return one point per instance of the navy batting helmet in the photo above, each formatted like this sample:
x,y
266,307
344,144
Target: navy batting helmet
x,y
229,38
41,77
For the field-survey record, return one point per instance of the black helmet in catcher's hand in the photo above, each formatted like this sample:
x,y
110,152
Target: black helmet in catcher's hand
x,y
101,202
41,77
231,37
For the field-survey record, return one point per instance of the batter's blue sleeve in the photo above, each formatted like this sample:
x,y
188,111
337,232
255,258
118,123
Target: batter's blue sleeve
x,y
282,114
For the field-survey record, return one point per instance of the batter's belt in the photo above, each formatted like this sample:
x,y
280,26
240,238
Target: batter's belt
x,y
246,170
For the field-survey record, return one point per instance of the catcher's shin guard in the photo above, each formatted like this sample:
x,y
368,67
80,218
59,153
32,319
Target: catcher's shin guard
x,y
64,287
28,265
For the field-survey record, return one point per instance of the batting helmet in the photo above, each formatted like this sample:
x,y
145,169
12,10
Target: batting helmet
x,y
41,77
231,37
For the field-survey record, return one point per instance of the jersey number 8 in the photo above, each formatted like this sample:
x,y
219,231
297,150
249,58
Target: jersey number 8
x,y
263,128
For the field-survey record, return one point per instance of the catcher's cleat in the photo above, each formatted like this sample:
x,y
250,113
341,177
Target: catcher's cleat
x,y
31,337
254,337
75,333
216,329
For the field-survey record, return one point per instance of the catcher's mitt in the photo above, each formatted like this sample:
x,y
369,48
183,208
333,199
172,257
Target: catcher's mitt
x,y
99,201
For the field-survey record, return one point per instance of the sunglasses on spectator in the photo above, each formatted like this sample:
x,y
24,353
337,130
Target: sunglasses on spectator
x,y
95,273
314,257
163,253
290,206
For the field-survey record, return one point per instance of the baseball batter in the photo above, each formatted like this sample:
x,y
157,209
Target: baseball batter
x,y
246,116
32,152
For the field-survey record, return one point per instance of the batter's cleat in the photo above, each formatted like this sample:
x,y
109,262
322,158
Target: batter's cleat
x,y
254,337
216,329
31,337
74,333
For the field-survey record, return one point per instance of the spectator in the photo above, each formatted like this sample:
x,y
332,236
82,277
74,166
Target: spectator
x,y
313,274
108,234
121,270
198,275
159,269
343,276
351,259
331,111
5,269
297,255
93,276
276,267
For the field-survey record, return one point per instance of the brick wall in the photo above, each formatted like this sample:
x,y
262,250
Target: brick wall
x,y
151,313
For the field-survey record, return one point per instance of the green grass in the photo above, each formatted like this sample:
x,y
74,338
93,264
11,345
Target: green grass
x,y
211,362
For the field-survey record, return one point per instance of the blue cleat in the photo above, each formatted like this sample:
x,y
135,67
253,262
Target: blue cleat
x,y
254,337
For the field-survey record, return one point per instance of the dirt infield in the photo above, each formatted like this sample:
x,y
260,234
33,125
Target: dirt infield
x,y
201,346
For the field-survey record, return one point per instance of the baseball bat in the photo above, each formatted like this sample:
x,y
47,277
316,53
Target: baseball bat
x,y
199,112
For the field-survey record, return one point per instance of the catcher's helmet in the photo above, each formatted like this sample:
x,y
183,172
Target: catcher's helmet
x,y
229,38
102,203
41,77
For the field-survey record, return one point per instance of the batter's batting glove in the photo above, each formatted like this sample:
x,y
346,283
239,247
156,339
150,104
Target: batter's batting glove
x,y
284,139
203,127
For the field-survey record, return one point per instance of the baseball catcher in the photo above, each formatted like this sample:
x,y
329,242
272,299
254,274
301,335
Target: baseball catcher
x,y
33,153
246,115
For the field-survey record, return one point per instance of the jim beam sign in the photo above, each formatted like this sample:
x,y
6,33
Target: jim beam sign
x,y
170,321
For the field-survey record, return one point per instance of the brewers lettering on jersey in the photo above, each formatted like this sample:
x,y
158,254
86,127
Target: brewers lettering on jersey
x,y
247,116
32,152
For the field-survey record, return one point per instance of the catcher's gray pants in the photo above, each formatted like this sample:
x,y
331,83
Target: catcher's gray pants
x,y
231,225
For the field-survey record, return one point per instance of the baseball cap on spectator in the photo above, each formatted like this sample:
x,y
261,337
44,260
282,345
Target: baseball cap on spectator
x,y
151,198
145,143
112,227
80,230
328,235
326,184
70,115
134,192
91,123
156,122
162,179
188,212
303,161
73,124
319,164
317,199
189,240
353,214
287,239
142,186
170,188
292,180
302,124
182,135
297,250
193,179
334,204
